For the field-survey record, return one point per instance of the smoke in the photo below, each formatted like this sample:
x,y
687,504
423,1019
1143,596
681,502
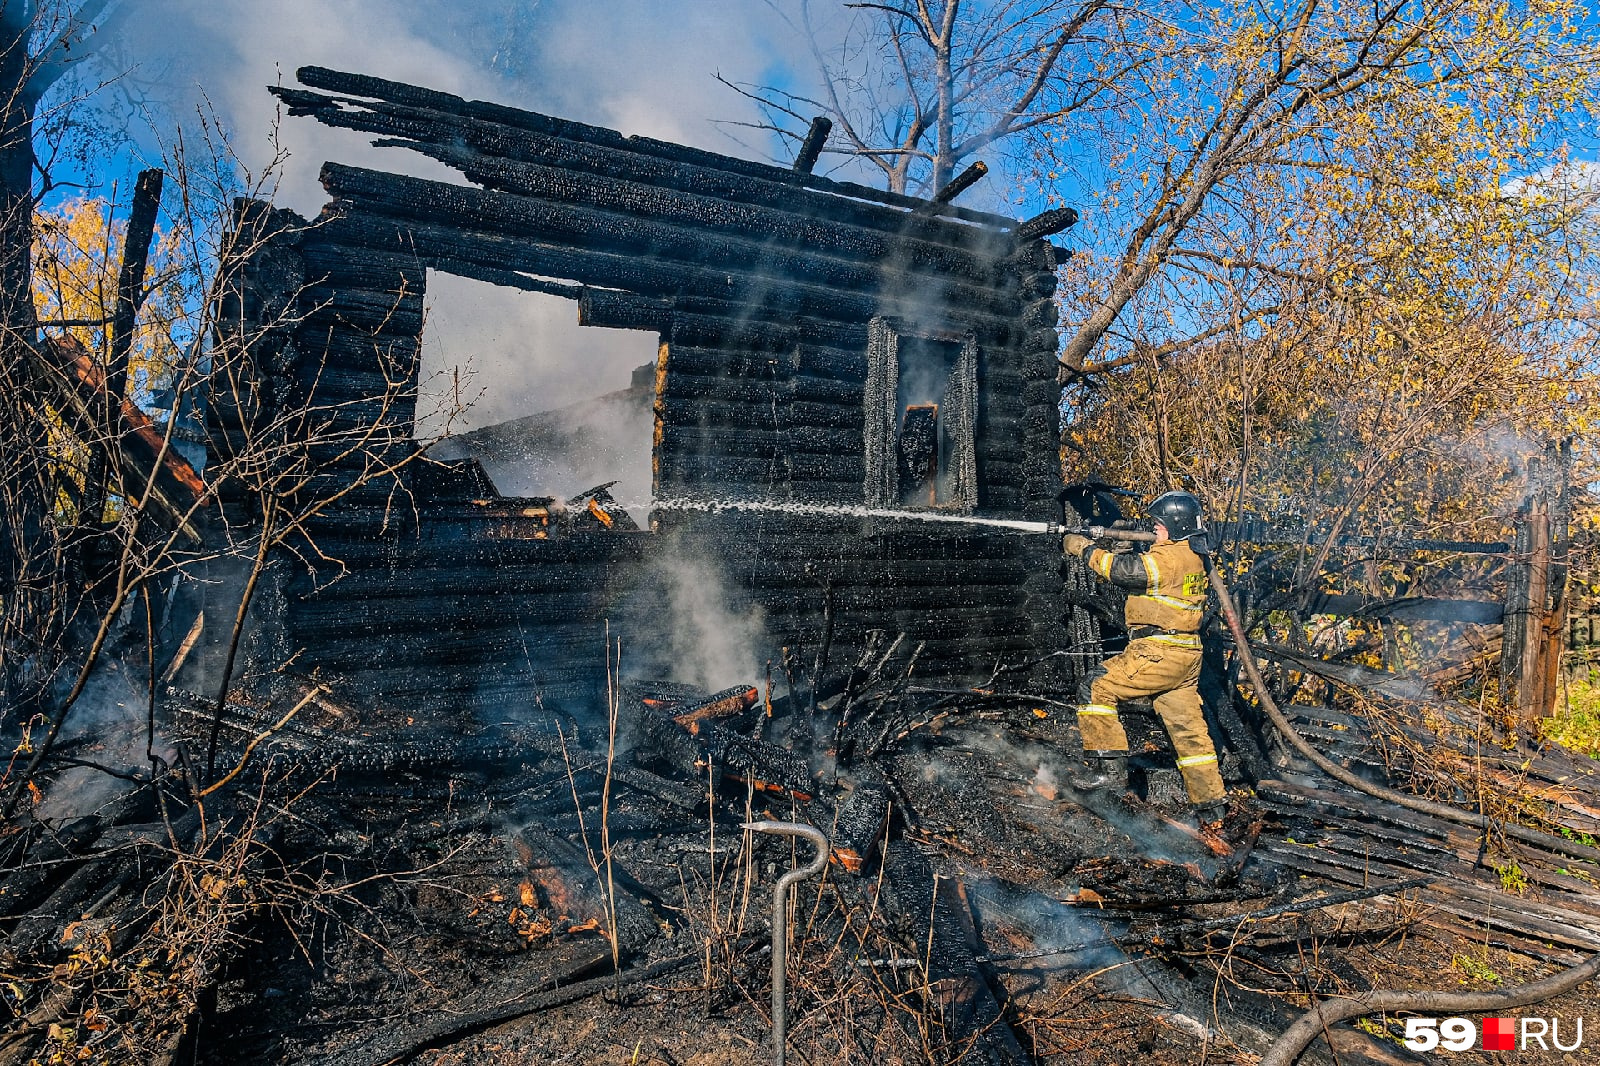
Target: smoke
x,y
644,68
1049,924
1048,772
710,640
561,417
111,700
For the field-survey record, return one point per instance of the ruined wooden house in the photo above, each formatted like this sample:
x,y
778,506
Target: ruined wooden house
x,y
806,328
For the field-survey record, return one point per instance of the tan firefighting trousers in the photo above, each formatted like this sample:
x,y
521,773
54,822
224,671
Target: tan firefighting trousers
x,y
1166,666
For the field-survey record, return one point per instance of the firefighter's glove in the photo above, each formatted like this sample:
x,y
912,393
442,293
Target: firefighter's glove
x,y
1075,544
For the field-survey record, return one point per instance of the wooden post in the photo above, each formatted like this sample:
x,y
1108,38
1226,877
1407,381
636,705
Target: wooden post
x,y
1530,691
1553,643
1536,586
1513,643
130,297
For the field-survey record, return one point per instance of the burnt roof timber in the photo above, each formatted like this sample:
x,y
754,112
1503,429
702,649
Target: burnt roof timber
x,y
475,225
781,225
475,149
374,88
627,231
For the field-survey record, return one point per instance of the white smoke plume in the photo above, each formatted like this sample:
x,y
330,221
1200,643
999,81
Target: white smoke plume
x,y
641,67
714,641
104,716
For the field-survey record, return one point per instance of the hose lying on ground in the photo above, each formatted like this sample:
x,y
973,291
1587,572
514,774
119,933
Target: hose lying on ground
x,y
1339,773
1287,1048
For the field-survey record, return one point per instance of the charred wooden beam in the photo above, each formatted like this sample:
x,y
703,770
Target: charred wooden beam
x,y
723,752
729,701
484,238
795,387
1258,532
1045,224
1409,608
698,440
130,278
22,889
567,878
845,364
799,415
784,228
862,824
1403,685
819,284
811,147
962,182
153,472
361,85
929,910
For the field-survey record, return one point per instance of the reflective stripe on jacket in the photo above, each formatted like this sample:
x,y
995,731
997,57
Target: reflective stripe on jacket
x,y
1168,581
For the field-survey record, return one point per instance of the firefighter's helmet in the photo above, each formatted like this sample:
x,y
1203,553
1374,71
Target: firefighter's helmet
x,y
1179,512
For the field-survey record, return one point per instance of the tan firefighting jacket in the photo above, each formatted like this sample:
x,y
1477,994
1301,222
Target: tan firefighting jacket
x,y
1168,583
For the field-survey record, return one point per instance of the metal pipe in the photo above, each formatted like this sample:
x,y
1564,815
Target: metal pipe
x,y
780,920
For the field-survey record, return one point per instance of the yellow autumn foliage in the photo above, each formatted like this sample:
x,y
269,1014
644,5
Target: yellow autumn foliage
x,y
77,254
1344,272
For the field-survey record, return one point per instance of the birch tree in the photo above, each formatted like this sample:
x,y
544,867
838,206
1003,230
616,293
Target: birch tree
x,y
915,88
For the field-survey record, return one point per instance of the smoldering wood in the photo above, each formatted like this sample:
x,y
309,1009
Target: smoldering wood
x,y
714,750
861,826
962,182
728,701
1046,224
927,908
1402,685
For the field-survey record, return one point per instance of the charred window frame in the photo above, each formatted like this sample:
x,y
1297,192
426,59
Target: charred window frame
x,y
921,419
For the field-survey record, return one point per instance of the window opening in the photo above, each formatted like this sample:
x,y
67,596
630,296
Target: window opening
x,y
546,406
921,397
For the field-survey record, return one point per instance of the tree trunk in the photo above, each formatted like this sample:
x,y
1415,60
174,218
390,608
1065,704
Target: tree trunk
x,y
16,173
24,481
943,164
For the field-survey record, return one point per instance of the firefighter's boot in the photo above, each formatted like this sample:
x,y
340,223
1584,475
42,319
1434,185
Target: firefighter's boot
x,y
1103,772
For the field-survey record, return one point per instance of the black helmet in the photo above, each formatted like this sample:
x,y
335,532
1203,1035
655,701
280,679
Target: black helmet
x,y
1179,512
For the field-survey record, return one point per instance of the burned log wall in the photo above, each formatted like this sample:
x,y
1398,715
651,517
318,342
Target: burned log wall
x,y
761,284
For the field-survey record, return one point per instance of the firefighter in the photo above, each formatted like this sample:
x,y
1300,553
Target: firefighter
x,y
1167,598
